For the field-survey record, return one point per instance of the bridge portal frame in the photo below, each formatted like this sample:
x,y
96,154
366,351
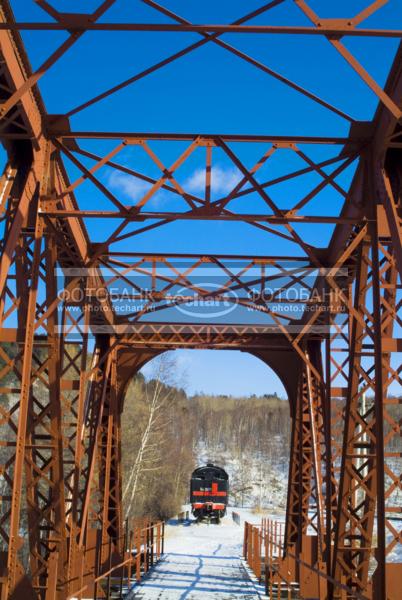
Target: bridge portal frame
x,y
56,441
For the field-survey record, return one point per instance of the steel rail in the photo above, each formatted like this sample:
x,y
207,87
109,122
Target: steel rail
x,y
82,24
138,137
201,215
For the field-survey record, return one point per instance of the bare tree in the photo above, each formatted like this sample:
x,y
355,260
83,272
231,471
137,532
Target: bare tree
x,y
155,453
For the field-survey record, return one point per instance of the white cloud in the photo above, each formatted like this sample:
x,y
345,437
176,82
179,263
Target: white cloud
x,y
132,187
222,180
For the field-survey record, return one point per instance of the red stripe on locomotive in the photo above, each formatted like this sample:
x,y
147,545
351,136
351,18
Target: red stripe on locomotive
x,y
215,506
212,492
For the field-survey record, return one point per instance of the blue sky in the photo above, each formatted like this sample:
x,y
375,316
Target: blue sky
x,y
211,91
222,372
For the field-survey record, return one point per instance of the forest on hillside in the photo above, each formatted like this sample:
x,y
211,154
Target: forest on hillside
x,y
166,434
250,438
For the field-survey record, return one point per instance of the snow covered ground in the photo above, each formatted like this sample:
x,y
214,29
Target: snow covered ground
x,y
201,562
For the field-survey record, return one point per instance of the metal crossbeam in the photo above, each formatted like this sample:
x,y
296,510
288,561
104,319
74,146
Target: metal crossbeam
x,y
68,351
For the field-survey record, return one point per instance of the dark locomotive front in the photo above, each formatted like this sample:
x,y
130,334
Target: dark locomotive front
x,y
209,490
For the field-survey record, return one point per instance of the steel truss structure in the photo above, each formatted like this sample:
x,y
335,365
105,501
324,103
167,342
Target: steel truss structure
x,y
68,352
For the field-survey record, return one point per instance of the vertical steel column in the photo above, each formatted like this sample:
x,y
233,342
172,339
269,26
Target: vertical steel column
x,y
44,442
95,402
109,462
308,459
296,522
57,492
386,236
381,375
357,493
337,369
20,195
316,400
74,388
32,284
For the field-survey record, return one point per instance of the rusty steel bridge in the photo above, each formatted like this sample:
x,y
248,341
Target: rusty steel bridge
x,y
69,255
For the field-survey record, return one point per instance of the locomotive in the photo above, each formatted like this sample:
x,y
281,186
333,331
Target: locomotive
x,y
209,489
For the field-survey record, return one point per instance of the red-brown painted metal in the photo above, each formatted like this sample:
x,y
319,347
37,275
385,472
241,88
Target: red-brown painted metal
x,y
67,352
